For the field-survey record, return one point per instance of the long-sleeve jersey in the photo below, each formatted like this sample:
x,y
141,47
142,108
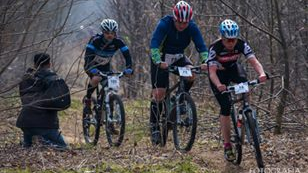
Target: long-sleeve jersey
x,y
168,40
99,52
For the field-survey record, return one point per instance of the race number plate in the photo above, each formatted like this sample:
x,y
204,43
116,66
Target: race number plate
x,y
114,82
184,71
241,88
102,60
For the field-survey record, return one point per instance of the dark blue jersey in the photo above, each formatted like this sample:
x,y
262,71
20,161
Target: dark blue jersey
x,y
99,52
169,40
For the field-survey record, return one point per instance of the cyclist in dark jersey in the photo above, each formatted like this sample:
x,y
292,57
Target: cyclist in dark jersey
x,y
170,38
224,68
99,51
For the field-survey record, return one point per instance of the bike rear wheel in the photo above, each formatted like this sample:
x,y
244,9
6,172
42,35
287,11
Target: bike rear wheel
x,y
91,123
185,126
115,121
256,142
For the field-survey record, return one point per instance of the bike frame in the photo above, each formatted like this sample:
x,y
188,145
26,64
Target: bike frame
x,y
103,94
180,85
171,116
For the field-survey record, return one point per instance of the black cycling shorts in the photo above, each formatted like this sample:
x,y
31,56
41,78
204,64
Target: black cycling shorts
x,y
235,74
160,77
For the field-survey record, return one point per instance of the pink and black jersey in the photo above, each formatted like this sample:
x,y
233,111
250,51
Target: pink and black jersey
x,y
220,56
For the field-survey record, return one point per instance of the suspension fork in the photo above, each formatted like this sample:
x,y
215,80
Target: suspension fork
x,y
254,117
247,108
179,92
107,104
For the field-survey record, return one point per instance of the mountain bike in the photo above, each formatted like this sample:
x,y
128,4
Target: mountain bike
x,y
244,120
179,112
107,108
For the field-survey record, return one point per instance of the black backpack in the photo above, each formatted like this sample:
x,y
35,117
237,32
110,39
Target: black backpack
x,y
48,93
56,96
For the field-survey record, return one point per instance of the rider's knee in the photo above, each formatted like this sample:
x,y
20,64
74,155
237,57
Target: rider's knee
x,y
158,94
191,79
95,80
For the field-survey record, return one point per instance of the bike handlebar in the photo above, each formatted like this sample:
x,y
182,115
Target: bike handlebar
x,y
254,82
195,69
110,73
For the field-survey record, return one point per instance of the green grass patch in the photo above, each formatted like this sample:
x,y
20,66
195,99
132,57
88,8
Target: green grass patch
x,y
132,105
138,131
185,165
76,104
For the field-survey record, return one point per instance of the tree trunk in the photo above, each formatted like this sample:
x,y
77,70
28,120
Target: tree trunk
x,y
271,24
286,80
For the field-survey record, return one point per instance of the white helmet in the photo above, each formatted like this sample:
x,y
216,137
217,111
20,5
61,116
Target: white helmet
x,y
109,25
229,29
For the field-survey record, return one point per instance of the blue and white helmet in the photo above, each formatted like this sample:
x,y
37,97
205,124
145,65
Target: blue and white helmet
x,y
109,25
229,29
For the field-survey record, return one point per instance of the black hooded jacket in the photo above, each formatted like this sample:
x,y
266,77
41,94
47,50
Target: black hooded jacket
x,y
31,116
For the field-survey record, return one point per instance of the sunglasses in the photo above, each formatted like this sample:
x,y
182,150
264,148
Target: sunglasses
x,y
230,40
109,33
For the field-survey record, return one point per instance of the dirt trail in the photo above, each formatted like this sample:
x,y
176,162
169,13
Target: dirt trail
x,y
137,153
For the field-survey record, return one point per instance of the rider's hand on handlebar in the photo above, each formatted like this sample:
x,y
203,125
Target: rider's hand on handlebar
x,y
128,72
221,87
203,67
94,71
262,78
163,65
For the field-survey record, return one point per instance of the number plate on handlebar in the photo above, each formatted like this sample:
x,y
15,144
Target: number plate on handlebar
x,y
114,82
184,71
241,88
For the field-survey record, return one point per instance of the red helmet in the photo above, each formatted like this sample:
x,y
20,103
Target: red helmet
x,y
182,12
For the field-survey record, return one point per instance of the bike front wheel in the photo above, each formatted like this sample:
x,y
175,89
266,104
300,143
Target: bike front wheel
x,y
185,126
91,123
115,121
256,142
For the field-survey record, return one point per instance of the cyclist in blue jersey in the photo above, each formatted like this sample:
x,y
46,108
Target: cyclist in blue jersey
x,y
172,35
99,52
224,68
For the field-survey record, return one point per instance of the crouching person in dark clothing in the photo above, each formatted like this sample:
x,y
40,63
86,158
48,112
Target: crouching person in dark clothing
x,y
34,120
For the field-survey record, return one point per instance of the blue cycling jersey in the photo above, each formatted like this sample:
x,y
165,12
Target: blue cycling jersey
x,y
99,52
171,41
